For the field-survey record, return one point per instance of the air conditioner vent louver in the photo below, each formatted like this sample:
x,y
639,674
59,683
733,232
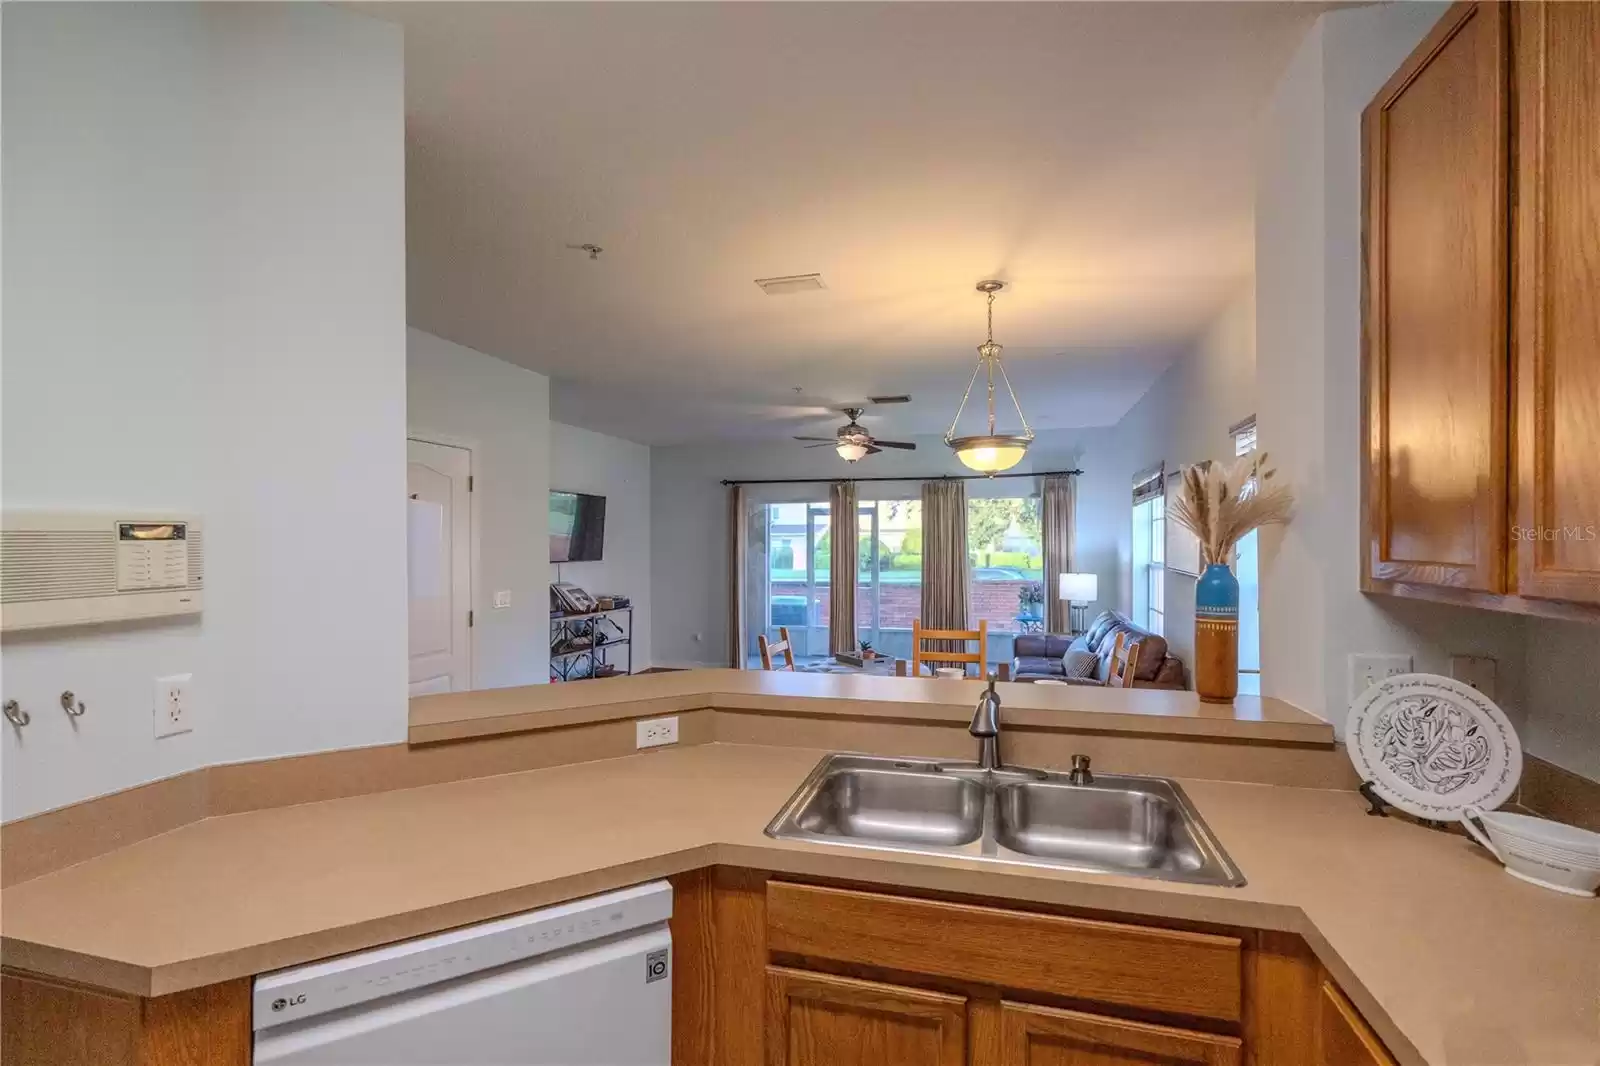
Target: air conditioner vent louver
x,y
902,398
791,283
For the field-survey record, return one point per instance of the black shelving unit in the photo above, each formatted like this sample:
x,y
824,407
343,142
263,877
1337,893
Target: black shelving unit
x,y
574,653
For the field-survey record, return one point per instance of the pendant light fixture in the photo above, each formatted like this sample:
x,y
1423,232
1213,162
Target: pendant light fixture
x,y
990,452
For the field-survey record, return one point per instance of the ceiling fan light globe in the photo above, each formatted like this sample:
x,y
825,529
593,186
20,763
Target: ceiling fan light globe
x,y
850,451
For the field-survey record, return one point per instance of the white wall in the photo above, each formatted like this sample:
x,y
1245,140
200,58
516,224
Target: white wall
x,y
1182,420
1563,694
1308,278
204,287
455,395
584,461
689,570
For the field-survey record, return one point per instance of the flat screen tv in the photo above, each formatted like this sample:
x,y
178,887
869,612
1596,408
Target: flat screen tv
x,y
577,527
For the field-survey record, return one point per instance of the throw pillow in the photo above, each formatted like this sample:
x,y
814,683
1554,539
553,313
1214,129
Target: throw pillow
x,y
1080,664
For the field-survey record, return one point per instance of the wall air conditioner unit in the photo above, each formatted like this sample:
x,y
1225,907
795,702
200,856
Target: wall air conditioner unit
x,y
65,568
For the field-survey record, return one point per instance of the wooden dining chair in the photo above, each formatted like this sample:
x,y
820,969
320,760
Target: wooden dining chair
x,y
783,644
919,655
1124,661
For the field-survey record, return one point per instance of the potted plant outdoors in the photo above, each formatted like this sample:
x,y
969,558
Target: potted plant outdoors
x,y
1219,505
867,654
1030,600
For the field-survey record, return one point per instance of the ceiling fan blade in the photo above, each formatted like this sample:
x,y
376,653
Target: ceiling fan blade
x,y
825,440
824,444
873,449
903,445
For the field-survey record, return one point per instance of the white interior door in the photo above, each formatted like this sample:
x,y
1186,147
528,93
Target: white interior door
x,y
439,566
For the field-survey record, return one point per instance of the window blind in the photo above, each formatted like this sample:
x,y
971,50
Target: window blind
x,y
1149,484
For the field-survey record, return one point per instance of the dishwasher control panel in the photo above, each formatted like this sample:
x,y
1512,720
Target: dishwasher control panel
x,y
306,991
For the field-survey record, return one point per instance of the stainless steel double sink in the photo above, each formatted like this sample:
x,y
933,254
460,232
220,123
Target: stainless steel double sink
x,y
1135,826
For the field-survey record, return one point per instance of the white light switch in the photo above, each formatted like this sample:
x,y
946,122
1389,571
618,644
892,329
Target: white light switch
x,y
502,599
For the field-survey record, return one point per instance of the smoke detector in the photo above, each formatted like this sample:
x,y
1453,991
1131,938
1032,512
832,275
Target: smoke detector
x,y
792,283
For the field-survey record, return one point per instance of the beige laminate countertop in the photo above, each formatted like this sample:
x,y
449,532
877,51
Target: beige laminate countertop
x,y
456,716
1450,959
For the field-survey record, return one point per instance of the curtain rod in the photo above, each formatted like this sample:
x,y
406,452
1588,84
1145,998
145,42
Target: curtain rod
x,y
912,477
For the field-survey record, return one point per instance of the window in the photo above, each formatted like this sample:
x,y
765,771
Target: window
x,y
1246,567
1005,555
1149,545
797,544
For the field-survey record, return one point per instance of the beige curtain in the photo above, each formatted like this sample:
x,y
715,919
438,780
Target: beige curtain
x,y
1060,546
738,557
944,554
842,568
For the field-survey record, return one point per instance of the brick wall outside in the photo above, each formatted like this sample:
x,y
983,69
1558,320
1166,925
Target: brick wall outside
x,y
898,605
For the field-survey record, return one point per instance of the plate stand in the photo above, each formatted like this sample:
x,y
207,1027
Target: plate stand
x,y
1379,806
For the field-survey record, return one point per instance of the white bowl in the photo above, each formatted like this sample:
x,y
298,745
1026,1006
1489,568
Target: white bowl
x,y
1543,832
1575,874
953,673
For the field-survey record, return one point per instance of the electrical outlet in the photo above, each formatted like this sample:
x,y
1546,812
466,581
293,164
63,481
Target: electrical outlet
x,y
172,709
654,732
502,599
1368,669
1475,670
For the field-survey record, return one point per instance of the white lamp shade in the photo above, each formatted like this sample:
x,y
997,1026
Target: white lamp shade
x,y
851,452
1080,588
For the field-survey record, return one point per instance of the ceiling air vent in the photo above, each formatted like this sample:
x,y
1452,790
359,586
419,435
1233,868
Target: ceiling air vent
x,y
791,284
889,399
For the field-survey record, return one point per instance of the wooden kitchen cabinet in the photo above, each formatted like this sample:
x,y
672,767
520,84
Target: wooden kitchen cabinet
x,y
1481,325
1043,1036
1436,159
816,1019
47,1022
1343,1037
1557,303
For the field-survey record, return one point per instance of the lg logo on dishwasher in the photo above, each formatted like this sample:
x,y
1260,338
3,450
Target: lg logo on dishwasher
x,y
293,1001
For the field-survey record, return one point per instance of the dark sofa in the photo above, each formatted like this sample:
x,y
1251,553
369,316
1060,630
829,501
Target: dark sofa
x,y
1039,655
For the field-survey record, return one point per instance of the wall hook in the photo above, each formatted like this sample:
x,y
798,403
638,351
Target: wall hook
x,y
15,714
72,704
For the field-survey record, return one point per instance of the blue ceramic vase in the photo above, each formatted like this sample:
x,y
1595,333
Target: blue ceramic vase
x,y
1216,635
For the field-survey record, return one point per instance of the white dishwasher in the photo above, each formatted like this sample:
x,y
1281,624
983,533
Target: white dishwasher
x,y
586,983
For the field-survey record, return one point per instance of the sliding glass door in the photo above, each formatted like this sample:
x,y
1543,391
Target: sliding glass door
x,y
796,541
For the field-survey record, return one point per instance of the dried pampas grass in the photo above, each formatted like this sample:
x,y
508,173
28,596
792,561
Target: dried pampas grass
x,y
1220,504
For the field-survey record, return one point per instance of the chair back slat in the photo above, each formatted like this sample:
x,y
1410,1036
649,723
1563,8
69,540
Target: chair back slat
x,y
1124,661
921,654
770,648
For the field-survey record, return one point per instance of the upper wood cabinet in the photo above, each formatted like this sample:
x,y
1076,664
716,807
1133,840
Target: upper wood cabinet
x,y
1557,302
1436,160
1481,338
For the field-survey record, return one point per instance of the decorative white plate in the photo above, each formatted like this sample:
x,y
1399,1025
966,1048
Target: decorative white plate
x,y
1433,746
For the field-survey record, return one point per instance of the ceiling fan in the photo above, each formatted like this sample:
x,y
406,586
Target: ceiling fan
x,y
852,441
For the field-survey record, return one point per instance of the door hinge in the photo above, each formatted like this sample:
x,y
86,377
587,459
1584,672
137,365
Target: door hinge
x,y
469,619
469,482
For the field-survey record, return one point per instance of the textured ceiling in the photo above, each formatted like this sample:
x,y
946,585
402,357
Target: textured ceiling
x,y
1098,156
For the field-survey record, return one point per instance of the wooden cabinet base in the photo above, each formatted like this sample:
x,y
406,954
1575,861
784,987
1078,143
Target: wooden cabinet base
x,y
44,1022
1042,1036
793,974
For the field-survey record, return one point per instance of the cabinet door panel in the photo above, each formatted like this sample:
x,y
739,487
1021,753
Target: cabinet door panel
x,y
1042,1036
1343,1037
1435,336
1556,540
820,1020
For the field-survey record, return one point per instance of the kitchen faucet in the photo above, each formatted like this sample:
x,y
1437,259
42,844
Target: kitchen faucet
x,y
986,727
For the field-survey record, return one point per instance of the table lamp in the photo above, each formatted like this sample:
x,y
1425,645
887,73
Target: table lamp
x,y
1079,590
